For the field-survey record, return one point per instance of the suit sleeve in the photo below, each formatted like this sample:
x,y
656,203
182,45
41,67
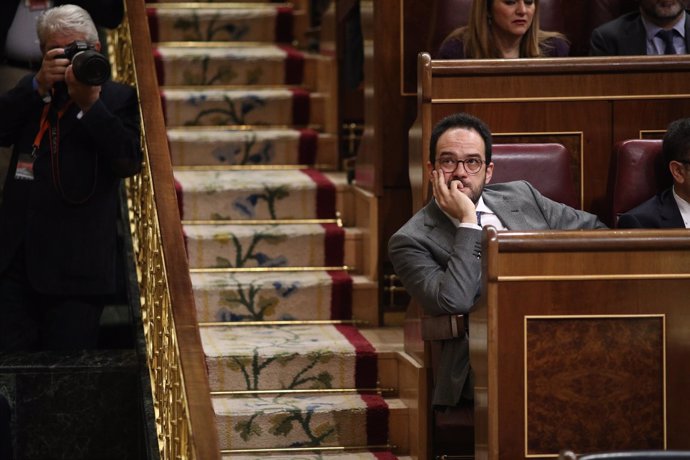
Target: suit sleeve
x,y
628,221
598,45
18,107
562,217
113,126
440,289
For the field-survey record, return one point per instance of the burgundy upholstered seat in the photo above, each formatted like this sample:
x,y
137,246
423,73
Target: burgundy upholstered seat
x,y
638,173
546,166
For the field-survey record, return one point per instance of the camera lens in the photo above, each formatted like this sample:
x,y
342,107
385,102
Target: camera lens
x,y
91,67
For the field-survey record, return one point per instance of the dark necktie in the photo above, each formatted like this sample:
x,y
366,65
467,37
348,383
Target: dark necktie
x,y
479,218
667,37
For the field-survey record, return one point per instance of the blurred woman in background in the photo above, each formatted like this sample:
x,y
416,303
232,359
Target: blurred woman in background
x,y
503,29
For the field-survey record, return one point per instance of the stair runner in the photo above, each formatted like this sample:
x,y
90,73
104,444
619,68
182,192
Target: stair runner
x,y
254,153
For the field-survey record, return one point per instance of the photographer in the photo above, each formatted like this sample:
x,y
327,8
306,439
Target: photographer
x,y
74,139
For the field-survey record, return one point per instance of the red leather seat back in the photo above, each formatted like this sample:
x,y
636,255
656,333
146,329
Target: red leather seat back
x,y
546,166
639,172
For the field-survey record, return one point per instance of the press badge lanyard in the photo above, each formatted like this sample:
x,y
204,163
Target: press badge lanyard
x,y
54,149
43,127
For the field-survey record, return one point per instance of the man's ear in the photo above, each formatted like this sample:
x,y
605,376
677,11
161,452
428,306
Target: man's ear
x,y
677,171
97,46
489,172
429,168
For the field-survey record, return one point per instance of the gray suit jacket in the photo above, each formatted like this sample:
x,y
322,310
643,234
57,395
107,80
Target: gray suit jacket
x,y
625,36
440,265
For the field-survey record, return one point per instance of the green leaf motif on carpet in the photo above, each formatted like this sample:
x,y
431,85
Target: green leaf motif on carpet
x,y
246,154
200,77
247,205
193,31
242,257
253,301
229,116
251,369
283,424
247,299
249,428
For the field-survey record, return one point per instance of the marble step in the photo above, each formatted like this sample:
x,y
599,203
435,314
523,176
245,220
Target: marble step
x,y
288,357
255,106
293,421
217,146
238,64
247,22
219,194
284,296
265,245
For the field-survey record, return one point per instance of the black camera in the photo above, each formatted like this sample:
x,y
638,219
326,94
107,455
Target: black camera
x,y
90,67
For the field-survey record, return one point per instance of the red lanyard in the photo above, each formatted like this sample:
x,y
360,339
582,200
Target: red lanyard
x,y
45,124
54,151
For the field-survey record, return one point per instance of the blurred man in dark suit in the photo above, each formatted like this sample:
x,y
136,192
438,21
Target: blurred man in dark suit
x,y
74,139
671,207
657,27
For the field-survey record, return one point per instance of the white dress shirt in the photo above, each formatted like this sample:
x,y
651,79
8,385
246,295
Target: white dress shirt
x,y
684,208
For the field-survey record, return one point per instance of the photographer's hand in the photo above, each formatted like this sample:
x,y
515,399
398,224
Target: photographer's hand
x,y
52,70
85,96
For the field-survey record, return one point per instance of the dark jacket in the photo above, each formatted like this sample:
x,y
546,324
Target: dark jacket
x,y
625,36
69,245
660,211
453,48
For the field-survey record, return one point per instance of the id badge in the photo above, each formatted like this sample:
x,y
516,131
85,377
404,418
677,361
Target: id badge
x,y
25,167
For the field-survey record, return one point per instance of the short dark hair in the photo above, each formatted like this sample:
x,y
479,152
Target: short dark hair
x,y
676,144
464,121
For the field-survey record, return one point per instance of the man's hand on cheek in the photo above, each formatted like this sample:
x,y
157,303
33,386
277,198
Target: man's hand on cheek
x,y
452,199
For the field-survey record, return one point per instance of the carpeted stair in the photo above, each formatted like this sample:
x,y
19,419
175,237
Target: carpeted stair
x,y
252,129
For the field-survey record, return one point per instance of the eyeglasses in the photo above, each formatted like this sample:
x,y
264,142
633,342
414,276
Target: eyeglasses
x,y
471,165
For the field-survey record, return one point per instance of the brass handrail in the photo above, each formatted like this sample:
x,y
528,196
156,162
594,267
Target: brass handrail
x,y
181,394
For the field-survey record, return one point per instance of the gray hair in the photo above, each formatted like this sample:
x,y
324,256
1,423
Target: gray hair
x,y
66,19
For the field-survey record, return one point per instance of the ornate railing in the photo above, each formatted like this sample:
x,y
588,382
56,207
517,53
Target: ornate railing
x,y
184,417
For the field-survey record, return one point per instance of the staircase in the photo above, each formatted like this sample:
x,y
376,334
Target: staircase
x,y
286,299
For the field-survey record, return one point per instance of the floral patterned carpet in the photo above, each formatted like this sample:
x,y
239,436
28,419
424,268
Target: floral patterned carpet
x,y
250,118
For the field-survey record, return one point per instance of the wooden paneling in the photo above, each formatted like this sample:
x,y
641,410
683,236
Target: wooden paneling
x,y
617,370
580,342
601,100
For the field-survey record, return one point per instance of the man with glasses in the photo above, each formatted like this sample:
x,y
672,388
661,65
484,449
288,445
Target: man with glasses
x,y
437,253
671,207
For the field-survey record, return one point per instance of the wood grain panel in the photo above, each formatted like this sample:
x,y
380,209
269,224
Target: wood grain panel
x,y
594,384
501,359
